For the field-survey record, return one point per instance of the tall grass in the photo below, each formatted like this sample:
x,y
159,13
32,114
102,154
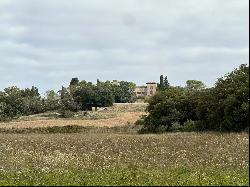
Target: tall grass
x,y
128,129
124,159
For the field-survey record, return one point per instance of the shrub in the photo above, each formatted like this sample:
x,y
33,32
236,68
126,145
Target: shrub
x,y
146,99
67,114
174,105
189,126
176,127
63,129
226,106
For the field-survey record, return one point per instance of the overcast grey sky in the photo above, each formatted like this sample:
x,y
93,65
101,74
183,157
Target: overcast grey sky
x,y
47,42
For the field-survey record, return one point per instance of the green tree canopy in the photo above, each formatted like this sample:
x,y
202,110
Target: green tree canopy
x,y
195,85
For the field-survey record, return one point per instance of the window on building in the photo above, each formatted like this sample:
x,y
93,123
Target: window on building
x,y
151,92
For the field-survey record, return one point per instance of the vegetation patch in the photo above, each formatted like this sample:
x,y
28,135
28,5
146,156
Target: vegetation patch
x,y
45,130
224,107
124,159
128,176
128,129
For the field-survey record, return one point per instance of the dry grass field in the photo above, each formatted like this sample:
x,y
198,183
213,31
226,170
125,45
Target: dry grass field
x,y
110,158
118,115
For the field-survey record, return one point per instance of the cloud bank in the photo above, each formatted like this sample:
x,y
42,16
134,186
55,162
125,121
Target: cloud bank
x,y
46,43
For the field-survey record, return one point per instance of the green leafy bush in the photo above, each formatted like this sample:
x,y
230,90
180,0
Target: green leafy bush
x,y
174,105
189,126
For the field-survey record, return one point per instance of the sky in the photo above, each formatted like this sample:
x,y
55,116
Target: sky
x,y
47,42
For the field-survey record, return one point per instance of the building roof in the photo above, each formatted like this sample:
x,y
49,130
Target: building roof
x,y
141,86
151,83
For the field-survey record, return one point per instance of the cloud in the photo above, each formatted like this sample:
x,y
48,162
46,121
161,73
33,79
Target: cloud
x,y
46,43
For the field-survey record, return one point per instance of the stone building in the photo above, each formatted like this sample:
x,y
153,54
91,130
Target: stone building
x,y
141,91
149,90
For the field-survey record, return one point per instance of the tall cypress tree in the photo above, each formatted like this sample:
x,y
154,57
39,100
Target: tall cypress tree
x,y
98,81
166,84
160,86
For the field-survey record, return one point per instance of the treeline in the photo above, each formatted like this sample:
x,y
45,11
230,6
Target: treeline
x,y
224,107
79,95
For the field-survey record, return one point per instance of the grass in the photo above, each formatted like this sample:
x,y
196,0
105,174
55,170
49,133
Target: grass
x,y
132,176
129,128
103,148
117,115
95,158
45,130
102,113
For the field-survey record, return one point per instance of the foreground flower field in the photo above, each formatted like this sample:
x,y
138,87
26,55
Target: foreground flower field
x,y
124,159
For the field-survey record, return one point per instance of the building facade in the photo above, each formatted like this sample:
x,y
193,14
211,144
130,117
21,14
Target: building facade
x,y
149,90
141,91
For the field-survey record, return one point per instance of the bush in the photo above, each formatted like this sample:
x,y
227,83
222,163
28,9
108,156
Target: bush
x,y
174,105
67,114
190,126
226,106
63,129
176,127
146,99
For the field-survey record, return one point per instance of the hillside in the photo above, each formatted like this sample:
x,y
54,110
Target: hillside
x,y
119,114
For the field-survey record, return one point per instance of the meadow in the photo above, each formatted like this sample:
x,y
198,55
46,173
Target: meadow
x,y
124,159
111,155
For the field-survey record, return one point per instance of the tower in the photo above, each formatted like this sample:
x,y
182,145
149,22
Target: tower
x,y
151,88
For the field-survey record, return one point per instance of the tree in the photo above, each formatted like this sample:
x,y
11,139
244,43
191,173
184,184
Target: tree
x,y
124,93
83,95
16,102
224,107
103,95
74,81
33,92
174,105
195,85
67,102
32,101
229,101
98,81
161,85
164,84
52,100
63,92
